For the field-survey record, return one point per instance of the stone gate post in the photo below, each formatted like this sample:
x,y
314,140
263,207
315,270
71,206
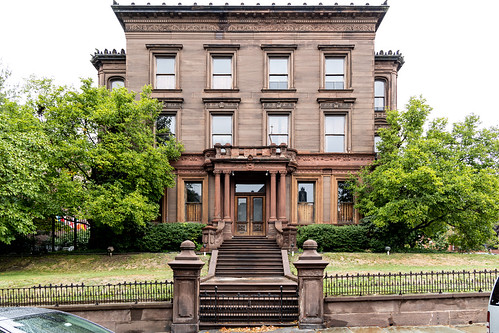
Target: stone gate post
x,y
310,267
186,272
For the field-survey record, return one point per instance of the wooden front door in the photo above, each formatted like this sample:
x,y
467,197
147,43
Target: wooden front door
x,y
250,215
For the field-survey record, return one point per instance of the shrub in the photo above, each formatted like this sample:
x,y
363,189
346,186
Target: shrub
x,y
168,236
331,238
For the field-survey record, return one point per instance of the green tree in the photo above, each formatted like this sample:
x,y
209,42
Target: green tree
x,y
93,155
430,181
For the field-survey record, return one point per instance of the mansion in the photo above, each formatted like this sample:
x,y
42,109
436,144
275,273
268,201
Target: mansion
x,y
275,105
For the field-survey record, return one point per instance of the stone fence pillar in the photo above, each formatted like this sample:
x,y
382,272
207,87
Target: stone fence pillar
x,y
310,267
186,272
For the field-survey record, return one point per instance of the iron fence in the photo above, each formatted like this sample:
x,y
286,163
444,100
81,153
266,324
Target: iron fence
x,y
277,307
409,283
55,295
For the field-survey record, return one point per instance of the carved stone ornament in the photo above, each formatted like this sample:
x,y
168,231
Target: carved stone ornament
x,y
190,25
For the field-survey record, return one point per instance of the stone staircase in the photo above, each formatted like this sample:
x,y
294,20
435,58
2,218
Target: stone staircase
x,y
251,285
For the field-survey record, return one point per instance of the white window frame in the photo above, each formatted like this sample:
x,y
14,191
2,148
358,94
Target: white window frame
x,y
335,134
213,116
157,51
336,51
377,96
270,130
220,51
279,51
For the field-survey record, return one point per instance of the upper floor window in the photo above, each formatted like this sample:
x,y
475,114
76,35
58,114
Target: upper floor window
x,y
334,131
116,82
334,73
221,67
165,72
379,95
336,67
165,127
279,66
278,129
164,65
278,72
377,139
221,129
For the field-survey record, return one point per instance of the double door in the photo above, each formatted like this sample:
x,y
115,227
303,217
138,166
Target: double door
x,y
250,215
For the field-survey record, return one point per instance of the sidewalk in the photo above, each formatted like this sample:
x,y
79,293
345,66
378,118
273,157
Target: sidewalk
x,y
475,328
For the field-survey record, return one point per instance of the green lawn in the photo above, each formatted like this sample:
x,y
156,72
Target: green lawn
x,y
102,269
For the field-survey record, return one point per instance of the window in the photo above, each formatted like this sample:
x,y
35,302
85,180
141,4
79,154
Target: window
x,y
379,95
336,67
334,73
221,67
116,82
165,127
221,129
345,203
165,72
278,72
193,201
334,131
377,139
306,202
278,129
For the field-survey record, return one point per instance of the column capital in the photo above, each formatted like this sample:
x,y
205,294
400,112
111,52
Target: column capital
x,y
283,172
227,172
273,172
217,172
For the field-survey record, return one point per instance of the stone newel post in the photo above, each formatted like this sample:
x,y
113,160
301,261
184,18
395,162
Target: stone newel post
x,y
186,271
310,267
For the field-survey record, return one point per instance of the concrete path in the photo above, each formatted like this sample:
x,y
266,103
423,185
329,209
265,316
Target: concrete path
x,y
475,328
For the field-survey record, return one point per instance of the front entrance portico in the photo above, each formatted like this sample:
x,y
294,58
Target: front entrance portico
x,y
250,191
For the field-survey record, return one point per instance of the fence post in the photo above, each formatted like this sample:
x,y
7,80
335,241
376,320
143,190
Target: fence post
x,y
186,272
310,267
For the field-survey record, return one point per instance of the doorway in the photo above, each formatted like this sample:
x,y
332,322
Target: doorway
x,y
250,215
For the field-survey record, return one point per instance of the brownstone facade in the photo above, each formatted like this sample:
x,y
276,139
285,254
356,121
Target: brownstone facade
x,y
276,106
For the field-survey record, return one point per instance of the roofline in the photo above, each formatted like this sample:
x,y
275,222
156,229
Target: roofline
x,y
378,12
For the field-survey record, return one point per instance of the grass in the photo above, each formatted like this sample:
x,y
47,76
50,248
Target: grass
x,y
95,269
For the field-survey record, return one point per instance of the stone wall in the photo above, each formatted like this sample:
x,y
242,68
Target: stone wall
x,y
439,309
127,318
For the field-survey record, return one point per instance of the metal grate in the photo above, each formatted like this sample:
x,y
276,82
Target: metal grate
x,y
280,307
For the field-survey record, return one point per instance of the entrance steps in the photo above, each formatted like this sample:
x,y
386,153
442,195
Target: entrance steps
x,y
251,285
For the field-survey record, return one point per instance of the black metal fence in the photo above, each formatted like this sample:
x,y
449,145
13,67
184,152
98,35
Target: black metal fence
x,y
55,295
409,283
280,307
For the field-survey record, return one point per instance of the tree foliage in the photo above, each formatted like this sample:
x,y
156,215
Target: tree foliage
x,y
428,180
90,153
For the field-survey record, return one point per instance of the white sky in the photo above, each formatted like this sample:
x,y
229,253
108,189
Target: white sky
x,y
450,46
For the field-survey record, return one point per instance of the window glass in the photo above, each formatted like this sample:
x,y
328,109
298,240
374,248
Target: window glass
x,y
221,129
334,134
117,83
193,192
278,72
242,204
345,203
257,209
379,95
335,73
165,127
222,73
165,73
306,192
278,129
247,188
377,139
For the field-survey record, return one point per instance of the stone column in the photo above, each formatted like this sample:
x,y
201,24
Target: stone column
x,y
227,196
218,214
282,197
273,197
186,271
310,267
227,233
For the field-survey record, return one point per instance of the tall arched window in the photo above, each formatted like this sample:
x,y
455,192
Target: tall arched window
x,y
379,95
